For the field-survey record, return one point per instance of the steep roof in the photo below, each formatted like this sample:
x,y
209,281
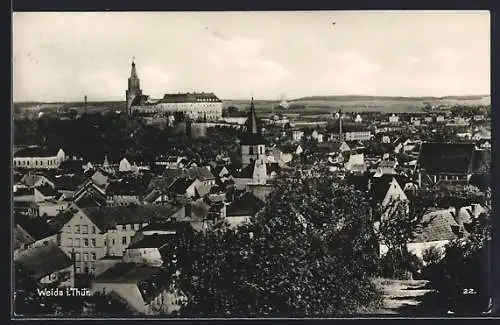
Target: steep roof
x,y
150,280
180,185
189,98
200,173
68,182
455,158
35,152
436,226
246,172
152,241
380,185
21,238
247,204
47,190
44,260
35,227
109,217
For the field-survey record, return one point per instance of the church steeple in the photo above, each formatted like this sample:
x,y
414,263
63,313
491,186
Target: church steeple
x,y
134,88
251,123
133,72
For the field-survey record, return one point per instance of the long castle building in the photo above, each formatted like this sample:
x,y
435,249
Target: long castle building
x,y
195,106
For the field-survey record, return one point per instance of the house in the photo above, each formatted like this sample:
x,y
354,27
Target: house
x,y
45,193
23,194
90,195
148,290
393,118
101,178
34,157
386,166
478,117
386,194
356,163
149,250
203,175
440,119
92,233
386,139
125,166
297,135
67,184
242,209
36,180
48,265
293,149
32,232
358,119
444,161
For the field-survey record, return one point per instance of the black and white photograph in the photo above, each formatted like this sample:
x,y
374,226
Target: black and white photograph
x,y
251,164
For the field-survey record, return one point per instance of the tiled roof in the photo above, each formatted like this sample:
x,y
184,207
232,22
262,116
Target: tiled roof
x,y
47,190
21,238
446,158
108,218
201,173
247,204
436,226
180,185
246,172
44,260
150,280
67,182
23,191
152,241
35,152
35,227
175,226
189,98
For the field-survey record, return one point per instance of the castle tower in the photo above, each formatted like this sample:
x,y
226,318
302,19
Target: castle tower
x,y
134,89
252,143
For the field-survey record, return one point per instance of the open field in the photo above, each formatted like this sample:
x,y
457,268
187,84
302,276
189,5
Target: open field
x,y
308,105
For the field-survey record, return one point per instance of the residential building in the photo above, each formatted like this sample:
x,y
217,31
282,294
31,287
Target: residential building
x,y
393,118
242,209
38,158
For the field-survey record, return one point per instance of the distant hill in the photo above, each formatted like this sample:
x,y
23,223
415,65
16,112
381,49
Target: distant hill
x,y
387,98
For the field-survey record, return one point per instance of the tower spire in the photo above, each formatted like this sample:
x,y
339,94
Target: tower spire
x,y
252,120
133,72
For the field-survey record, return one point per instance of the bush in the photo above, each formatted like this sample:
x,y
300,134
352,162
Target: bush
x,y
431,255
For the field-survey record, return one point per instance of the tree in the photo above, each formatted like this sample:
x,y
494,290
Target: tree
x,y
396,225
309,252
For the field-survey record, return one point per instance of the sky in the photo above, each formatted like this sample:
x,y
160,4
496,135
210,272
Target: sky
x,y
271,55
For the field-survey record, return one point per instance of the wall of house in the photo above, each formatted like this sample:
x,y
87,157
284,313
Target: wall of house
x,y
196,110
235,221
119,238
241,183
85,239
357,136
51,162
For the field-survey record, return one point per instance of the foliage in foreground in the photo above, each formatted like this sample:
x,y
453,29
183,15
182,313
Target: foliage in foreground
x,y
308,253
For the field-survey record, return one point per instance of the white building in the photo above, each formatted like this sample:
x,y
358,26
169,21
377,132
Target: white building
x,y
393,118
38,158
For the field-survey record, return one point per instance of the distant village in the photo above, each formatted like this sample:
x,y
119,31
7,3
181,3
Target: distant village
x,y
108,224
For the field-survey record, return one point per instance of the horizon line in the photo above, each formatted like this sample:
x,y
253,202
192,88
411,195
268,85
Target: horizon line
x,y
266,98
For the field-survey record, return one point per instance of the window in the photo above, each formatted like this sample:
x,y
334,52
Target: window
x,y
77,242
85,242
68,229
113,242
86,256
93,230
77,229
94,256
77,257
93,242
85,229
36,162
250,150
124,240
78,269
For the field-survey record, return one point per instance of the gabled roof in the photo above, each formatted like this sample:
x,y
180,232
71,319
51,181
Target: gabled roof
x,y
44,260
152,241
150,280
35,152
37,228
436,226
109,217
200,173
247,204
67,182
380,185
21,238
180,185
246,172
47,190
454,158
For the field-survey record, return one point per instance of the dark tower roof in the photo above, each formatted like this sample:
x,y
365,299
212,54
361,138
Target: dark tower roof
x,y
251,123
252,135
133,72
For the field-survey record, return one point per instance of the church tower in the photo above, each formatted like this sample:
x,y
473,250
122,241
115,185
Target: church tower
x,y
252,143
134,89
